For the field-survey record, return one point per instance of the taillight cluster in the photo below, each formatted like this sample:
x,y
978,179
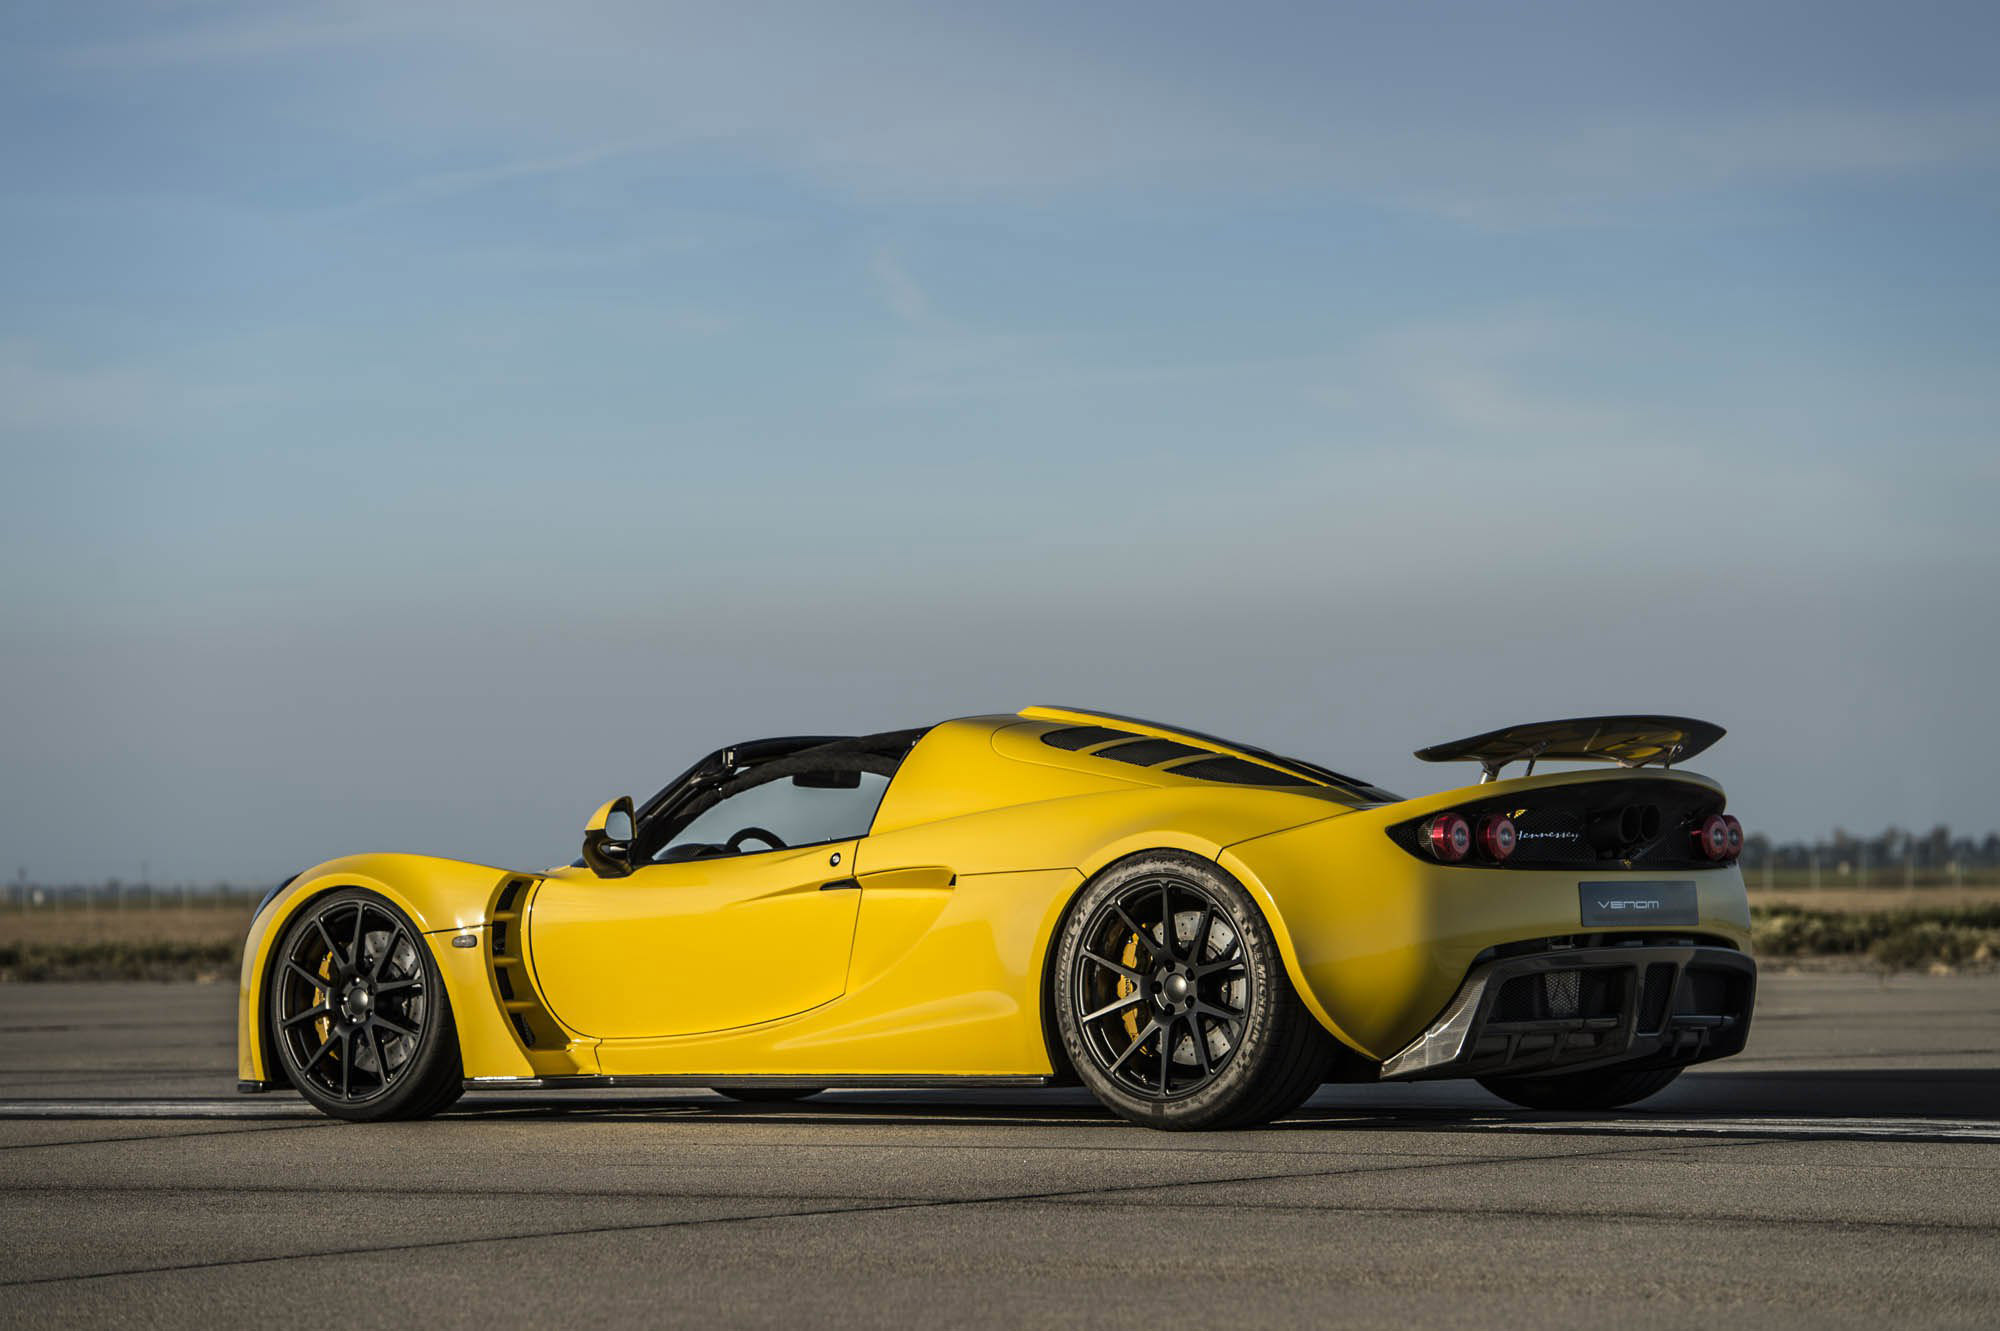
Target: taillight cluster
x,y
1719,837
1450,838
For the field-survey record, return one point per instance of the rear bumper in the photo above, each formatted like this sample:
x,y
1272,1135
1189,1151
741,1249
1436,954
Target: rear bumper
x,y
1573,1009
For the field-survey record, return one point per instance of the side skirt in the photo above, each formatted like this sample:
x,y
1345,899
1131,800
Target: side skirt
x,y
788,1083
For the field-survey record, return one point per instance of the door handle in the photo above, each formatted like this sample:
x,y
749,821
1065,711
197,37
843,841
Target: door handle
x,y
841,885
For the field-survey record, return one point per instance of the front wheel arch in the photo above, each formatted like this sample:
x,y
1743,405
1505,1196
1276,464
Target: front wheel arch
x,y
430,1076
260,1001
273,934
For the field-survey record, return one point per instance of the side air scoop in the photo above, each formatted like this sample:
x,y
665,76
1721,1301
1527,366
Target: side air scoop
x,y
1629,741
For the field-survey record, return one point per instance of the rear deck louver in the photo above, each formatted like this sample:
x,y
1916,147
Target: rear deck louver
x,y
1075,738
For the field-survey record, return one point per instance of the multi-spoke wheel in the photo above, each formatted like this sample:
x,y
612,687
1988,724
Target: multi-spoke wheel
x,y
1173,1003
358,1012
1161,987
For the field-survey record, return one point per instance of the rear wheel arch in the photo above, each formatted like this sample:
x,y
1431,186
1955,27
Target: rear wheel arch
x,y
1059,1056
1059,1061
1063,1070
1276,1052
1093,869
1156,840
1274,918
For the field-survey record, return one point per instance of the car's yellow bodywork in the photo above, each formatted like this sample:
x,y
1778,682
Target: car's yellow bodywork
x,y
930,960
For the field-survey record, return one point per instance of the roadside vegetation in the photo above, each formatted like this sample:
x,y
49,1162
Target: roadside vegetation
x,y
206,962
1935,938
167,943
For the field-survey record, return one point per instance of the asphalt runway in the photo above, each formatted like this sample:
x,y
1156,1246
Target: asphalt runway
x,y
1844,1171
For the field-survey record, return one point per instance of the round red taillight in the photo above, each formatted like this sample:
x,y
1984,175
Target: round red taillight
x,y
1449,837
1497,837
1711,839
1735,835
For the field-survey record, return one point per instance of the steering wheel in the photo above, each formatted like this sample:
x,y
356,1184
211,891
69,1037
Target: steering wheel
x,y
735,843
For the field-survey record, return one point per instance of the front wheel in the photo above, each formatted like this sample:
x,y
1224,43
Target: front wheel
x,y
358,1012
1173,1003
1605,1088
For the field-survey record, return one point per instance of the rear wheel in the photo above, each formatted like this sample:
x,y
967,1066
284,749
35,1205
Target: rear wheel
x,y
358,1012
767,1095
1173,1003
1605,1088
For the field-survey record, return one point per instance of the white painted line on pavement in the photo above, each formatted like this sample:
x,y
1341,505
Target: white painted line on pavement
x,y
1957,1129
245,1108
1967,1129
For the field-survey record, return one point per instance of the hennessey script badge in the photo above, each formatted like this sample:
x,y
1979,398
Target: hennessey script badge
x,y
1638,903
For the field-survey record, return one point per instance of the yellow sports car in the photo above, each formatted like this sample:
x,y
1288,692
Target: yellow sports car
x,y
1198,931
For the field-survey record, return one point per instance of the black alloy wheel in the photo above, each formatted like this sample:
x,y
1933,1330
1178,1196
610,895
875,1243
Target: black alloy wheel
x,y
1161,987
359,1013
1173,1003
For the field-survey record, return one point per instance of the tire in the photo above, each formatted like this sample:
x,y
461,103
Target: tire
x,y
358,1012
767,1095
1605,1088
1197,1027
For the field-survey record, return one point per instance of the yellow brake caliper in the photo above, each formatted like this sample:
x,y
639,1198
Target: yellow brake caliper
x,y
1130,958
323,997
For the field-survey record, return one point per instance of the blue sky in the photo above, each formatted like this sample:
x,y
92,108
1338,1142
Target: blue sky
x,y
419,425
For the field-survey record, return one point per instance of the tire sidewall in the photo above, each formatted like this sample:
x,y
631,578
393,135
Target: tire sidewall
x,y
1269,988
437,1043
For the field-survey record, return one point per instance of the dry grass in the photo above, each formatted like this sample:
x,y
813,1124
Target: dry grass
x,y
1864,899
1937,938
191,943
201,925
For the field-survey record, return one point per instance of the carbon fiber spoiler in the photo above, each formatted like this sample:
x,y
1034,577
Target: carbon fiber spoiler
x,y
1629,741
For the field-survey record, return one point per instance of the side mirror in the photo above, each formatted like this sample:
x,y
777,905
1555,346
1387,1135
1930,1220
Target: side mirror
x,y
607,839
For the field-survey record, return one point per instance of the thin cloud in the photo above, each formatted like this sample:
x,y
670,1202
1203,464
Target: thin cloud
x,y
252,38
899,290
448,184
967,104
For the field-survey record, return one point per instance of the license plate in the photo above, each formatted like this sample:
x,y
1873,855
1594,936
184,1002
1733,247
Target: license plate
x,y
1628,902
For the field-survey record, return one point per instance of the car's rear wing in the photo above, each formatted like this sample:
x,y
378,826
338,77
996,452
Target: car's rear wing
x,y
1629,741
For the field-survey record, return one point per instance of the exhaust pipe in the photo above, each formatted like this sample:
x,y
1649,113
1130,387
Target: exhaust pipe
x,y
1612,830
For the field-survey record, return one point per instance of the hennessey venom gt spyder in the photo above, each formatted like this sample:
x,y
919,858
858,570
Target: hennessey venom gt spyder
x,y
1200,932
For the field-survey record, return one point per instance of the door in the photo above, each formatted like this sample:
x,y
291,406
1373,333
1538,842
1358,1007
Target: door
x,y
700,945
746,915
